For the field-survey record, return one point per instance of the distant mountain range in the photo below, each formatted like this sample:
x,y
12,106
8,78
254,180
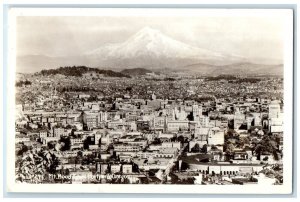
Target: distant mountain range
x,y
150,49
245,68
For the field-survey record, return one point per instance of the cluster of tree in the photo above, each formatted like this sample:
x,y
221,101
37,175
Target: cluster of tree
x,y
169,79
189,180
162,79
67,143
180,139
88,159
197,148
271,172
23,149
78,71
233,79
202,98
156,141
76,89
266,146
36,163
23,83
220,77
92,98
231,133
88,141
136,71
118,180
245,80
228,148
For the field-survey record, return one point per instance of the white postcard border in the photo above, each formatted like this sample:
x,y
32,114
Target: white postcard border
x,y
286,188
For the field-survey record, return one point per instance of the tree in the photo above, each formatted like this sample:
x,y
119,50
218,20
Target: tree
x,y
229,147
51,145
80,154
53,164
181,139
190,117
213,147
266,145
21,83
67,171
231,134
265,158
23,149
67,143
135,168
156,141
204,149
196,148
92,98
86,144
189,180
245,140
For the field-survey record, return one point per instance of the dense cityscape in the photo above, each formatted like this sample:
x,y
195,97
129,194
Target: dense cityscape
x,y
144,127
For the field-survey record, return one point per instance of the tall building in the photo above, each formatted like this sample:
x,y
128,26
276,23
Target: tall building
x,y
204,121
215,136
274,109
239,119
197,110
102,116
90,120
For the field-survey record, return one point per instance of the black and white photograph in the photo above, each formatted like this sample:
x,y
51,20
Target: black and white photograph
x,y
151,100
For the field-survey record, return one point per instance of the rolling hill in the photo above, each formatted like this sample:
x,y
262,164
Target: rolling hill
x,y
79,71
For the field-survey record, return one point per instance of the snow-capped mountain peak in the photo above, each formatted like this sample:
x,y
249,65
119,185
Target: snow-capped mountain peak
x,y
154,45
147,33
151,42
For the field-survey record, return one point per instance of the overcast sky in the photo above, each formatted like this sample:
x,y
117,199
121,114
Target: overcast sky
x,y
251,37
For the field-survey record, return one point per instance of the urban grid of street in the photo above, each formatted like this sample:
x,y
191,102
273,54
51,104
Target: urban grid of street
x,y
153,128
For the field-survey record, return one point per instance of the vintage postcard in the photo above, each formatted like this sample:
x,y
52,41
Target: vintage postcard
x,y
137,100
